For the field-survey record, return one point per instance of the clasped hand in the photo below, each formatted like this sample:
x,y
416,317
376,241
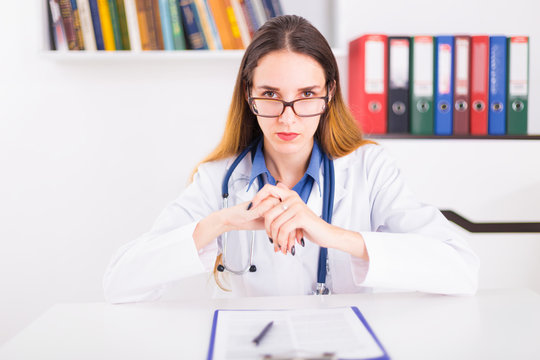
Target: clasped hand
x,y
284,216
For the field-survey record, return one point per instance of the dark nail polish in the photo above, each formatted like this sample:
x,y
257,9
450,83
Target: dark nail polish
x,y
250,205
293,251
279,247
302,242
271,241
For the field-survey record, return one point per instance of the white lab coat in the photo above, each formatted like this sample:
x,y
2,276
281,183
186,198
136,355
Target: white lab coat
x,y
411,245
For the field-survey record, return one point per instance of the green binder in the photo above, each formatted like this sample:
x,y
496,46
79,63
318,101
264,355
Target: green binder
x,y
422,80
517,85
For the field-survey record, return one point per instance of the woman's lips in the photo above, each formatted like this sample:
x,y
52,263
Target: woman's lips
x,y
287,136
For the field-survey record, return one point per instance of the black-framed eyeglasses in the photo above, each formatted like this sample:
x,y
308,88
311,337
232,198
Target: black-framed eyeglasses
x,y
272,108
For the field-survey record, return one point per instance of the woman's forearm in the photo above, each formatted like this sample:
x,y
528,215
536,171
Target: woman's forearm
x,y
350,242
209,228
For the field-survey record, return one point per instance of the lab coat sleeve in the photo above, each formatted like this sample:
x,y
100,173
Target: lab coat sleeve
x,y
141,269
411,246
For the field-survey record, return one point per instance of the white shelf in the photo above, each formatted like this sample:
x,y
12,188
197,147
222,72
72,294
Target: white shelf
x,y
161,55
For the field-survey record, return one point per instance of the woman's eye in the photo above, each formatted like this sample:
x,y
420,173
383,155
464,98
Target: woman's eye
x,y
270,94
308,93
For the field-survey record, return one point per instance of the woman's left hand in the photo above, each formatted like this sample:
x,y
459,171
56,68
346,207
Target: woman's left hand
x,y
291,218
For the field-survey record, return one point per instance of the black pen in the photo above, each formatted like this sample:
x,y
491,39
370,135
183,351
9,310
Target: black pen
x,y
259,337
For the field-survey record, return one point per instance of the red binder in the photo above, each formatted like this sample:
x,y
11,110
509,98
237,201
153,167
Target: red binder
x,y
368,88
479,84
462,53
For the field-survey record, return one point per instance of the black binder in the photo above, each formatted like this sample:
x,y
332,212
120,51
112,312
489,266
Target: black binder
x,y
398,83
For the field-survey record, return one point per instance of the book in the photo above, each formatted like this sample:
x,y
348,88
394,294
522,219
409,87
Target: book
x,y
87,26
122,21
192,25
241,21
176,24
66,12
205,21
115,21
133,25
234,25
166,24
221,18
106,25
77,24
58,34
96,23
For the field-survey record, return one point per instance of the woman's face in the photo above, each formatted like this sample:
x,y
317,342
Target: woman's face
x,y
288,76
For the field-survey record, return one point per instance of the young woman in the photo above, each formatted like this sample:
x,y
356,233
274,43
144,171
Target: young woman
x,y
293,200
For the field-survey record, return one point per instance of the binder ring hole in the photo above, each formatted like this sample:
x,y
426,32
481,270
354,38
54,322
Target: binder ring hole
x,y
374,106
422,106
461,105
497,106
478,105
444,106
398,108
518,105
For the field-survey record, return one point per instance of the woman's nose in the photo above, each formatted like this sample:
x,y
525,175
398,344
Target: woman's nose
x,y
288,115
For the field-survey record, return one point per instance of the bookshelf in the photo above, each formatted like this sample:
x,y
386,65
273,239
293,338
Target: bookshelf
x,y
333,18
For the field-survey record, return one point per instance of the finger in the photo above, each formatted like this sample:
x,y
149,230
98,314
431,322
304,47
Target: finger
x,y
287,234
272,214
278,192
281,235
300,237
264,206
290,246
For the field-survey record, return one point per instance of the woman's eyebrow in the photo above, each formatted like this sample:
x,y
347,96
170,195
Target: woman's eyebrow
x,y
268,87
310,88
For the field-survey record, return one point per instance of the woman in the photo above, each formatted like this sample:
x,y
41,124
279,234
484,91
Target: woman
x,y
300,148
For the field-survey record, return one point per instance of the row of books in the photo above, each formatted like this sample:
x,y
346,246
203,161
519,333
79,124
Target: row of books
x,y
440,85
156,24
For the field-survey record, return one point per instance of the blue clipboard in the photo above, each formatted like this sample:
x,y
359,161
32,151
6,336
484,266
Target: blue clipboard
x,y
385,355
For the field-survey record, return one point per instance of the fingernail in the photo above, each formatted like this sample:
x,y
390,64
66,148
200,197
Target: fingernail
x,y
302,242
293,251
250,205
271,241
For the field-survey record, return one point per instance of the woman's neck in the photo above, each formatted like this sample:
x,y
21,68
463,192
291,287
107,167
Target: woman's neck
x,y
287,168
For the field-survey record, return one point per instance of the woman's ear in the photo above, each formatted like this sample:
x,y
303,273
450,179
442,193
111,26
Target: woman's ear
x,y
331,90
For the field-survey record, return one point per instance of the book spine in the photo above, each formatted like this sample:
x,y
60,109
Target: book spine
x,y
213,26
96,22
176,23
57,26
166,24
157,25
241,21
133,25
205,24
115,21
122,20
260,13
86,25
77,24
106,25
233,23
67,18
192,26
249,17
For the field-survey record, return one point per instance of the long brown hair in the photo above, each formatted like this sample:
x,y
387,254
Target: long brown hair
x,y
337,134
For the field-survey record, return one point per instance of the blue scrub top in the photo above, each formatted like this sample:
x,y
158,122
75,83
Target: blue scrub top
x,y
303,187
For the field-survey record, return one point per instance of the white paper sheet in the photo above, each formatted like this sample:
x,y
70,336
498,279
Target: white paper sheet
x,y
308,332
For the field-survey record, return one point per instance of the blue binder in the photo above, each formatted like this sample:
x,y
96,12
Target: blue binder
x,y
497,85
444,85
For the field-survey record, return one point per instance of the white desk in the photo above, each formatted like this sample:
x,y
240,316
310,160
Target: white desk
x,y
495,324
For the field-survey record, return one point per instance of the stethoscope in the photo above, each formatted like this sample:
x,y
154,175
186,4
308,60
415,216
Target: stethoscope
x,y
327,210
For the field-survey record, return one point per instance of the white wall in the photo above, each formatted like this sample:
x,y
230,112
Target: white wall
x,y
92,150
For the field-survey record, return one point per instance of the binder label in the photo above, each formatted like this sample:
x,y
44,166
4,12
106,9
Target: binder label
x,y
423,66
445,68
374,67
399,64
479,80
462,66
518,77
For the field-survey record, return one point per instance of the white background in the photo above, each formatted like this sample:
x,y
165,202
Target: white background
x,y
92,149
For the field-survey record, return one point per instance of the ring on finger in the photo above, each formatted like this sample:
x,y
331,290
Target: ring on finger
x,y
284,207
